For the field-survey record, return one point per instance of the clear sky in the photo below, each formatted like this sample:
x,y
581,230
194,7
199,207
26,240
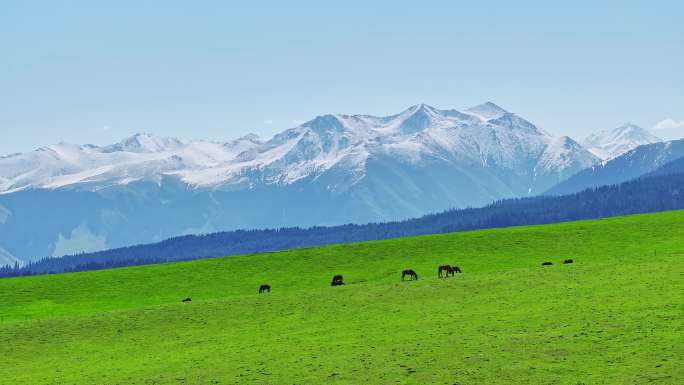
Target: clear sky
x,y
96,72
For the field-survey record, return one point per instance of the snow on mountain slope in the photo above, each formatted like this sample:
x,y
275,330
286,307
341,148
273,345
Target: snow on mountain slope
x,y
145,143
140,157
563,153
611,143
486,134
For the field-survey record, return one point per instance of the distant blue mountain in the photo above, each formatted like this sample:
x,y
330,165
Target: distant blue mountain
x,y
674,167
633,164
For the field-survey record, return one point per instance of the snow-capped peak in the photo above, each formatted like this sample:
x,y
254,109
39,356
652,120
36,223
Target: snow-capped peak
x,y
417,118
610,143
325,122
422,108
145,143
487,110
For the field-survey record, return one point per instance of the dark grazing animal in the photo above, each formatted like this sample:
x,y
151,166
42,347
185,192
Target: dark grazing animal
x,y
410,273
567,261
456,269
547,263
337,280
448,270
264,288
187,300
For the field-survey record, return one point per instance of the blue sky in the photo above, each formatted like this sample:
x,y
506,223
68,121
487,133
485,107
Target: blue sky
x,y
95,72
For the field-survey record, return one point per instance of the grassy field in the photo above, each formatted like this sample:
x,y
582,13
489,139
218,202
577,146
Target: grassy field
x,y
615,316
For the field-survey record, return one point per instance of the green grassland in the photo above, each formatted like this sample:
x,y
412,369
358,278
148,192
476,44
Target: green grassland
x,y
615,316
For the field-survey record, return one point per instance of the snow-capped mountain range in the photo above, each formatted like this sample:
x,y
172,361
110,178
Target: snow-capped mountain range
x,y
485,135
612,143
330,170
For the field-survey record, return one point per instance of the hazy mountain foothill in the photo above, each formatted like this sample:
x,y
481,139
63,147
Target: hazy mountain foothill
x,y
664,189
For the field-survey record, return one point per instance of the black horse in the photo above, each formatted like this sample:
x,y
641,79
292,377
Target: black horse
x,y
337,280
264,288
567,261
448,270
547,263
410,273
187,300
456,269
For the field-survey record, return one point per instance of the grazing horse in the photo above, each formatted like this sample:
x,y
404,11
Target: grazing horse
x,y
337,280
412,274
456,269
547,263
567,261
445,268
187,300
264,288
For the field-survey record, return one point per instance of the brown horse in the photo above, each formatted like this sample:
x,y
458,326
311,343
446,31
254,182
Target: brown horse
x,y
410,273
337,280
448,270
264,288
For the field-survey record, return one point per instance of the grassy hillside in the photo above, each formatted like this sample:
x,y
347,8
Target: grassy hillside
x,y
616,316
